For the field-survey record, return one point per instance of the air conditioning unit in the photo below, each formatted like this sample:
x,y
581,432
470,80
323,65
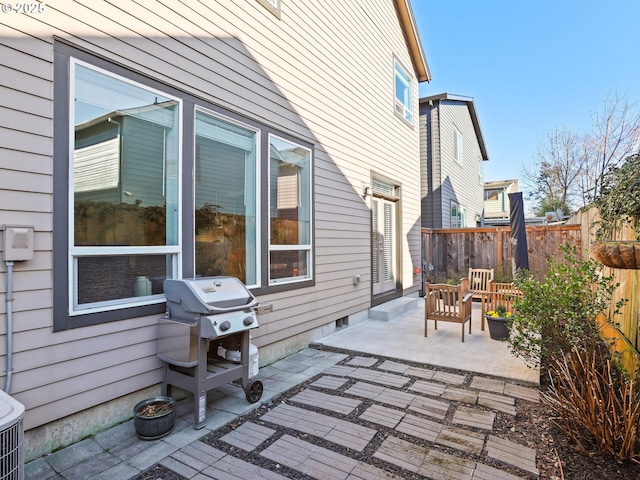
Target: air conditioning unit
x,y
11,438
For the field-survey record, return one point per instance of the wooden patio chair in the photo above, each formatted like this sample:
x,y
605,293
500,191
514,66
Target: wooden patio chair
x,y
479,279
448,303
499,294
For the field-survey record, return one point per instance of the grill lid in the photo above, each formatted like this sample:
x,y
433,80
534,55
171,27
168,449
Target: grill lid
x,y
207,295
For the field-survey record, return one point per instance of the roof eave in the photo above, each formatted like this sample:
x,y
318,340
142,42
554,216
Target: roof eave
x,y
472,112
408,23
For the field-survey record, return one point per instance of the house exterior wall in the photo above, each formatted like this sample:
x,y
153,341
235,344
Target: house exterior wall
x,y
500,208
451,180
429,166
332,91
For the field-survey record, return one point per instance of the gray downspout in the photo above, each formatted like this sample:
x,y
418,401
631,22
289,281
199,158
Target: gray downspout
x,y
7,387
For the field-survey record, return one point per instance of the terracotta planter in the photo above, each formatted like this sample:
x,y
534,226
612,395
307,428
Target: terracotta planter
x,y
618,254
498,327
154,418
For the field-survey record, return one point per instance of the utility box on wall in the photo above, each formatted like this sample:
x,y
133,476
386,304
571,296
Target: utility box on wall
x,y
18,243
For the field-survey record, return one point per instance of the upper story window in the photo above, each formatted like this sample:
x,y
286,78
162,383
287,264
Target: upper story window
x,y
403,103
492,195
458,141
272,5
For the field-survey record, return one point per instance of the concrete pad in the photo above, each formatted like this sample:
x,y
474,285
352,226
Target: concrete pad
x,y
73,455
403,338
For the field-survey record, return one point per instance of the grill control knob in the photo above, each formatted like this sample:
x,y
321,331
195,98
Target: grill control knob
x,y
247,321
226,325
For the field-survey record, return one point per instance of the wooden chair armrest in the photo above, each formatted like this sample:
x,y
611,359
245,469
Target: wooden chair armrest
x,y
467,296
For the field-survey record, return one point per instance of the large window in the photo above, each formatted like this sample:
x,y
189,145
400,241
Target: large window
x,y
290,211
225,199
152,183
403,104
124,196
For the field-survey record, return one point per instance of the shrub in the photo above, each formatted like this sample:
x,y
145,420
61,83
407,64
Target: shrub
x,y
619,203
503,273
596,407
448,276
559,313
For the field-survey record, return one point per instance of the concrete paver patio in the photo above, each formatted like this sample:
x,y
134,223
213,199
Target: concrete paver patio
x,y
377,403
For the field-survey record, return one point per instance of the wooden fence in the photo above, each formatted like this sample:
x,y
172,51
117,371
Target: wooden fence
x,y
624,328
457,250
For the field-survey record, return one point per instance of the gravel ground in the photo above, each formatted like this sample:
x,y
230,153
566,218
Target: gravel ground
x,y
532,426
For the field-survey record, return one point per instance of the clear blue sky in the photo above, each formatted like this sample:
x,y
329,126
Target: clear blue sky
x,y
530,66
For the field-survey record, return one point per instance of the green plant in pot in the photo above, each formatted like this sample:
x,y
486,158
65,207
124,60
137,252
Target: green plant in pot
x,y
619,212
499,321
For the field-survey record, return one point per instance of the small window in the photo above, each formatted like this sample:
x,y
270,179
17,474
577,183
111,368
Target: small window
x,y
290,211
457,146
272,5
403,104
491,195
456,215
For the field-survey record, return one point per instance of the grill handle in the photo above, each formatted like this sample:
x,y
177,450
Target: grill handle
x,y
251,305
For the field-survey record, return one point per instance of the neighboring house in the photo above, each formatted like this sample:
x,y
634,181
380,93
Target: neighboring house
x,y
496,201
268,140
452,156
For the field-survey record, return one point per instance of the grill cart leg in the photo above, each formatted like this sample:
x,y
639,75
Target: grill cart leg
x,y
200,390
166,388
252,388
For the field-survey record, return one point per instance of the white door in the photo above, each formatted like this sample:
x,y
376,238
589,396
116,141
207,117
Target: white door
x,y
383,224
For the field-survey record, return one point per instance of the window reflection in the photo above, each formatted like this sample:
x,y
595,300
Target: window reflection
x,y
225,216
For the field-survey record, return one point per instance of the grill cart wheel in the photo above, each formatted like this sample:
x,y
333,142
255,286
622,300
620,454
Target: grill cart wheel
x,y
253,391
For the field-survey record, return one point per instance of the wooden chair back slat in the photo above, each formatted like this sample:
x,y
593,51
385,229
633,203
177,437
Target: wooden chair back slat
x,y
499,294
448,303
479,279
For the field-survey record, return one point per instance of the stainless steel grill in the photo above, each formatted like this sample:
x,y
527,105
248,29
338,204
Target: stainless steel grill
x,y
202,315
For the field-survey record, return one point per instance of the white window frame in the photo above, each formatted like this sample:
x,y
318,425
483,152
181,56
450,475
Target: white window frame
x,y
259,209
272,5
403,101
74,252
458,217
458,146
308,248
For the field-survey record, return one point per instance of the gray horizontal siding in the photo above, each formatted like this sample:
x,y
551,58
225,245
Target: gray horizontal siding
x,y
335,91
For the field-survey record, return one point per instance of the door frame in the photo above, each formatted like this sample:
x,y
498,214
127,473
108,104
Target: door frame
x,y
389,191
